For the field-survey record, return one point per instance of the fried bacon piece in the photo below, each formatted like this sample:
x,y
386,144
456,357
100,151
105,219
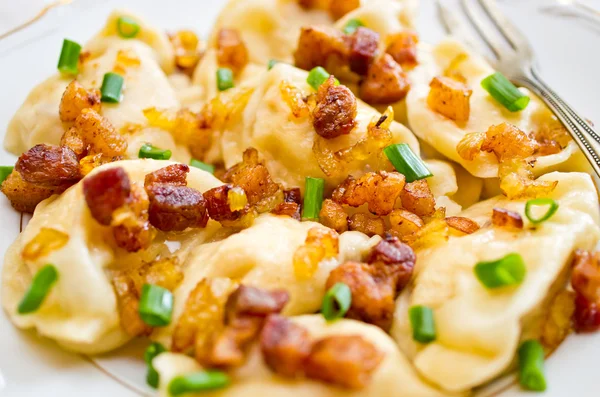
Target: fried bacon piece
x,y
418,198
335,112
321,46
49,165
25,196
217,204
292,204
462,224
399,260
94,134
231,50
75,99
379,189
285,346
333,216
504,218
320,244
586,317
370,225
105,192
363,49
130,225
344,360
339,8
404,223
403,48
450,98
585,280
385,82
507,141
174,175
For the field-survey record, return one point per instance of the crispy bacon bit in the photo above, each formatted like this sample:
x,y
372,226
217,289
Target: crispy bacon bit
x,y
174,175
505,218
344,360
320,244
399,260
379,189
292,204
385,82
187,54
49,165
285,346
333,216
464,225
339,8
131,229
368,224
507,141
217,204
586,283
558,321
586,317
404,223
75,99
403,48
98,134
294,98
105,192
450,98
25,196
231,50
363,49
335,112
46,241
321,46
418,198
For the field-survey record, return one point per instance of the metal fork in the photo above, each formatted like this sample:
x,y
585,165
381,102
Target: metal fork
x,y
517,62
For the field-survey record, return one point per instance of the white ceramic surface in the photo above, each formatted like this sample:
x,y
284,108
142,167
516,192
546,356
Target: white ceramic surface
x,y
567,44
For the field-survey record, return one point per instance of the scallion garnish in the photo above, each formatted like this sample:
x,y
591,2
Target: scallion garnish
x,y
552,208
147,151
203,166
127,27
352,25
5,171
406,162
156,305
69,57
112,84
318,76
509,270
152,376
198,381
336,302
505,92
422,323
313,198
224,79
40,286
531,366
272,63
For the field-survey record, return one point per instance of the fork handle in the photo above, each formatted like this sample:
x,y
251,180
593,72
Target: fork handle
x,y
582,132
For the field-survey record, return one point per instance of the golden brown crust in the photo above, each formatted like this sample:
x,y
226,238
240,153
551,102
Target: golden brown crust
x,y
49,165
98,134
25,196
379,189
321,46
418,198
333,216
363,50
385,82
335,112
404,223
75,99
231,50
465,225
370,225
507,141
450,98
403,48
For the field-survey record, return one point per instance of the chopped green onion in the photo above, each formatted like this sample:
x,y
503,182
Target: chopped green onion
x,y
336,302
112,84
553,207
313,198
352,26
406,162
147,151
156,305
69,57
505,92
531,366
198,381
272,63
152,376
203,166
40,286
127,27
423,324
503,272
5,171
224,79
318,76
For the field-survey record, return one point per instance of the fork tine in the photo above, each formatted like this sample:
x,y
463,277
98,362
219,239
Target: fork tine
x,y
492,42
453,26
510,32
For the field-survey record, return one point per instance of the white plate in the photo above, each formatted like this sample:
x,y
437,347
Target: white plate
x,y
567,47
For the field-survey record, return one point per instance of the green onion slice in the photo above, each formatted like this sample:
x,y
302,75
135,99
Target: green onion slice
x,y
203,166
352,26
152,376
423,324
5,171
198,381
552,208
112,84
318,76
40,286
337,302
505,92
272,63
127,27
531,366
407,162
503,272
156,305
224,79
68,62
313,198
147,151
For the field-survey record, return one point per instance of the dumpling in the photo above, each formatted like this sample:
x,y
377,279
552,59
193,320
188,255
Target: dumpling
x,y
444,134
81,311
393,377
478,330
